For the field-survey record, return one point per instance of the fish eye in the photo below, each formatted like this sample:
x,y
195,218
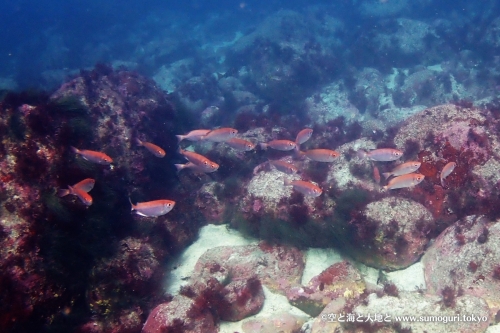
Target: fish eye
x,y
205,163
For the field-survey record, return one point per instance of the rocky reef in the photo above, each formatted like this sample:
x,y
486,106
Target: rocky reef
x,y
62,261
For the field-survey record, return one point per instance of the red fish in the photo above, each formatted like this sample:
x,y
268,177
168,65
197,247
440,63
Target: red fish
x,y
403,169
220,134
153,208
205,168
303,136
240,144
154,149
447,170
321,155
283,145
381,155
193,135
80,189
195,158
408,180
284,167
93,156
306,188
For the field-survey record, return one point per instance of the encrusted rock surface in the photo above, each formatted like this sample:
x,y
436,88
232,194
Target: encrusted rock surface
x,y
278,267
173,316
397,241
466,258
341,281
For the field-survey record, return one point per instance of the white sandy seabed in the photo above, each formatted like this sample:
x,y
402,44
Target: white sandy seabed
x,y
316,261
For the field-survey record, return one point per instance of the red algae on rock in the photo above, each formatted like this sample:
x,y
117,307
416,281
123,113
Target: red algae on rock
x,y
406,244
277,268
173,317
339,282
68,249
469,266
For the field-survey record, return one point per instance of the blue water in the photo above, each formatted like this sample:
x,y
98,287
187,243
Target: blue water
x,y
38,36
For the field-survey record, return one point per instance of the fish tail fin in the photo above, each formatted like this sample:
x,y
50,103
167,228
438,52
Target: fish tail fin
x,y
384,188
75,150
180,138
361,153
297,153
138,141
179,167
442,183
386,174
131,204
263,145
63,192
287,182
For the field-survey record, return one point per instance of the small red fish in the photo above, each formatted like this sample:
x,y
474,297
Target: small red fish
x,y
283,145
205,168
284,167
381,155
321,155
240,144
193,135
85,185
80,189
408,180
220,134
303,136
403,169
306,188
153,208
447,170
154,149
93,156
195,158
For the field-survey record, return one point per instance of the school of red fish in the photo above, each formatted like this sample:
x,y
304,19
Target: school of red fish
x,y
403,175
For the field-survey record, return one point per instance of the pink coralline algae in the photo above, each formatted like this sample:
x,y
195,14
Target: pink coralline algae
x,y
245,297
340,282
464,135
388,235
227,282
270,263
463,258
173,317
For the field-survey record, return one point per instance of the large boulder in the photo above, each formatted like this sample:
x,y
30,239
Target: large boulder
x,y
465,258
